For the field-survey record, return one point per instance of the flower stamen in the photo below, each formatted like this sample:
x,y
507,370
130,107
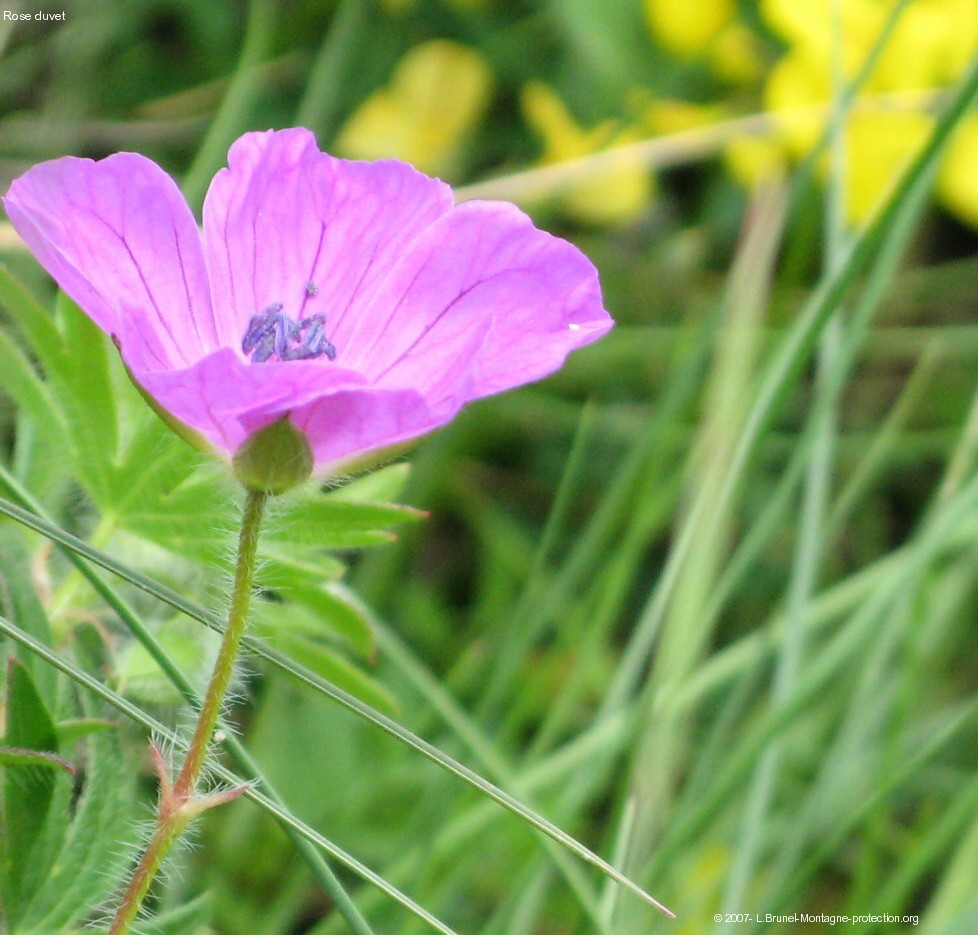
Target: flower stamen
x,y
272,334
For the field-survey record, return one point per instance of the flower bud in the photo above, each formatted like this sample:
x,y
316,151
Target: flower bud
x,y
274,459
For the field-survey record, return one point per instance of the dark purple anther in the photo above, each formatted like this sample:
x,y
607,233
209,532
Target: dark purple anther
x,y
312,341
272,334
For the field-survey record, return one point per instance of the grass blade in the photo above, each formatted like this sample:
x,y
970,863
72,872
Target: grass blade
x,y
385,723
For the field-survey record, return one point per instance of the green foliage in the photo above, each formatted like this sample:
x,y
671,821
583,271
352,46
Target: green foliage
x,y
145,489
716,623
28,787
90,855
146,482
62,854
188,919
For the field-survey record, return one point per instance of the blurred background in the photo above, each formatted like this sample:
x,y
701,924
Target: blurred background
x,y
706,598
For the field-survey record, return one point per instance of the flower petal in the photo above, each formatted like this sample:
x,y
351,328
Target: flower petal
x,y
344,427
285,223
225,399
483,269
118,237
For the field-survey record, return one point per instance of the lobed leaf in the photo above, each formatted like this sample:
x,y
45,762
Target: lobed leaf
x,y
330,522
192,916
309,678
309,610
16,756
84,387
91,858
33,319
384,485
28,789
331,666
24,385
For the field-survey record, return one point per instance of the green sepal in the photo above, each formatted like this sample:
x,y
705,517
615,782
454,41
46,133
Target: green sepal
x,y
274,459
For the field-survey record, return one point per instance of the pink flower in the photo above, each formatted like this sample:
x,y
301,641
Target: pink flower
x,y
352,298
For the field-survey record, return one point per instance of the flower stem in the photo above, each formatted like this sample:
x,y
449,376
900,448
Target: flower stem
x,y
244,575
177,804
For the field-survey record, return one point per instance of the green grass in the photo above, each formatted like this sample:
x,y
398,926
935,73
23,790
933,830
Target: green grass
x,y
704,600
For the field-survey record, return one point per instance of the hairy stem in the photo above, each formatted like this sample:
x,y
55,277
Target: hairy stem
x,y
178,804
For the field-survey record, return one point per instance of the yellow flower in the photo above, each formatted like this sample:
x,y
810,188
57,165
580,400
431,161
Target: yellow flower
x,y
797,91
957,183
617,192
706,29
437,94
666,115
928,47
687,27
961,36
735,55
808,24
879,147
752,159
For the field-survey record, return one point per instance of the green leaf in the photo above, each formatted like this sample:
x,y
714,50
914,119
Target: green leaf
x,y
33,319
16,756
329,522
188,919
25,386
381,486
85,390
189,519
21,604
153,464
149,439
39,455
312,610
28,791
334,668
77,392
89,861
139,675
193,540
180,482
279,569
78,728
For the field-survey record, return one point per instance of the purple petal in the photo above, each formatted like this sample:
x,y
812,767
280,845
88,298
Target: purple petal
x,y
225,399
118,237
482,272
344,426
283,216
